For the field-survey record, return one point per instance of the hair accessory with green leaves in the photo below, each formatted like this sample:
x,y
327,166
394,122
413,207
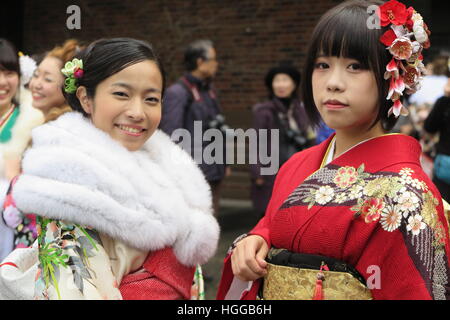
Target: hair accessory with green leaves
x,y
72,70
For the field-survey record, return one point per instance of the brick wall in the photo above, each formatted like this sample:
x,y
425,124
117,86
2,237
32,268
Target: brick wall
x,y
250,35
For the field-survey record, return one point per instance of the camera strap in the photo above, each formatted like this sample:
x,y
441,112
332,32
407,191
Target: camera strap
x,y
195,98
192,88
283,122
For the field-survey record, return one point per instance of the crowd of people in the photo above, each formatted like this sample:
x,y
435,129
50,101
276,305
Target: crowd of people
x,y
428,118
99,201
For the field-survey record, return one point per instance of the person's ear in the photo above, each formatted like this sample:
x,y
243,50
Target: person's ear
x,y
85,101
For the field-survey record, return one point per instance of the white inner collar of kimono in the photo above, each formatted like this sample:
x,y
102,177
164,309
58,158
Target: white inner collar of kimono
x,y
332,149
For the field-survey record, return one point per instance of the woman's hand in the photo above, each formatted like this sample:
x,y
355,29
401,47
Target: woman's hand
x,y
247,259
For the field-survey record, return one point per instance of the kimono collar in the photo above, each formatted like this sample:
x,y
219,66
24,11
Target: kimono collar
x,y
372,152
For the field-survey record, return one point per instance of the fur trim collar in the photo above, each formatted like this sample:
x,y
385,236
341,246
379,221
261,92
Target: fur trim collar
x,y
150,199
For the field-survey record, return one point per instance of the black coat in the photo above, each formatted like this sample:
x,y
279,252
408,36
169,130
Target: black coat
x,y
267,115
181,108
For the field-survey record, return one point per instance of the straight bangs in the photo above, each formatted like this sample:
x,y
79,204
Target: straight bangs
x,y
9,65
344,32
9,61
105,57
346,35
113,55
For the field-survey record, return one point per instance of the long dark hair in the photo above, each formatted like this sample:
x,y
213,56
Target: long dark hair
x,y
106,57
343,32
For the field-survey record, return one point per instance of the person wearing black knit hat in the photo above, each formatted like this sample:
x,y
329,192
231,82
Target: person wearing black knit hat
x,y
288,70
283,111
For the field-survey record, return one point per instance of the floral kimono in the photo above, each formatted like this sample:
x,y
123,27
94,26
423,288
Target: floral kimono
x,y
372,207
15,135
110,223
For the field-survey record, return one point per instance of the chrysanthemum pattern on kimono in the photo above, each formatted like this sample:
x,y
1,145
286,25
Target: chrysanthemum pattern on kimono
x,y
397,201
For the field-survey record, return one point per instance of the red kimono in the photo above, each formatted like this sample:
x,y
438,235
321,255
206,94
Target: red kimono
x,y
163,278
372,207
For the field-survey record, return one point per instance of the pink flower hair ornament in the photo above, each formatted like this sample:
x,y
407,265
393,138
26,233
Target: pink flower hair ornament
x,y
407,37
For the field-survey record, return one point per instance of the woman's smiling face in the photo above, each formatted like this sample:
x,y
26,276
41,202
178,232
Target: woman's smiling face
x,y
9,83
127,105
46,83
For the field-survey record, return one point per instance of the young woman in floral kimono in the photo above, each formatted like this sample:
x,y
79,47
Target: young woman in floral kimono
x,y
361,196
122,212
47,100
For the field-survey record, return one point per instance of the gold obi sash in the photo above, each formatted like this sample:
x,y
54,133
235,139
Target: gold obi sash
x,y
292,283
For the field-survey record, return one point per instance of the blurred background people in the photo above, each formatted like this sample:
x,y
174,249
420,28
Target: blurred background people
x,y
420,105
283,111
438,122
17,118
193,98
47,81
433,84
48,100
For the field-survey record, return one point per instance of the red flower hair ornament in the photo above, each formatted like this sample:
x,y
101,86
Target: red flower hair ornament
x,y
407,36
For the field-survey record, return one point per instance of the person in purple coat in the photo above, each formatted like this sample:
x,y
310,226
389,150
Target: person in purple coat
x,y
284,112
191,101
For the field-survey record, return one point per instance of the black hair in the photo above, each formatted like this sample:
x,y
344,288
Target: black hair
x,y
284,69
106,57
343,31
9,60
38,57
195,50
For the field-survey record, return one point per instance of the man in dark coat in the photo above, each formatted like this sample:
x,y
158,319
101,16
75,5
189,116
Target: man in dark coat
x,y
191,102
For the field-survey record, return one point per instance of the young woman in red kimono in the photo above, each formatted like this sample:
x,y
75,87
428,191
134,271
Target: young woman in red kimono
x,y
361,196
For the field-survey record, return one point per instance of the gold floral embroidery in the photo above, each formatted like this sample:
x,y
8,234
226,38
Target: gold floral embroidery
x,y
397,201
382,187
345,177
429,212
371,209
387,198
377,187
439,235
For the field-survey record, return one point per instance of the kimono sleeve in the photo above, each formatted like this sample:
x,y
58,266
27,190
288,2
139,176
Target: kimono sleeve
x,y
407,257
283,186
22,224
72,264
11,216
163,277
